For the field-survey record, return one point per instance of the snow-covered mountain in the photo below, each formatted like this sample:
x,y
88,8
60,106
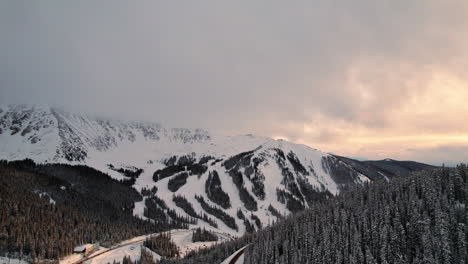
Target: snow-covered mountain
x,y
238,182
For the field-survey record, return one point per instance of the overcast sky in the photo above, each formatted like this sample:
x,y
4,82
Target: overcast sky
x,y
361,78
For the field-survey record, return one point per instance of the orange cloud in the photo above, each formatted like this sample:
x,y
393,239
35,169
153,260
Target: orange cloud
x,y
429,117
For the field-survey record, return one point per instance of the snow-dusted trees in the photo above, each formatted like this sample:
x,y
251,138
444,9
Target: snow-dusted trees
x,y
218,213
202,235
417,219
177,181
146,257
214,191
185,205
245,161
163,245
421,218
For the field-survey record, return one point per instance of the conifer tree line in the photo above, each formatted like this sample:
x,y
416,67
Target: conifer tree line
x,y
416,219
249,228
215,192
217,212
145,258
163,245
126,260
202,235
185,205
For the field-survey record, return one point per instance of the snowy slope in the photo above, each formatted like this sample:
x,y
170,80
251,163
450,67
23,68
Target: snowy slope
x,y
132,248
272,173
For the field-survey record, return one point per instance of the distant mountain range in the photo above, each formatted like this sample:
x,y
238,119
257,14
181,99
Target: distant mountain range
x,y
233,184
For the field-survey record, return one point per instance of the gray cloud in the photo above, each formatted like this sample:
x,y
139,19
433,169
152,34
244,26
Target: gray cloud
x,y
448,155
238,67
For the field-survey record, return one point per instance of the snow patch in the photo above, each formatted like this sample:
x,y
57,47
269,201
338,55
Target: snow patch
x,y
5,260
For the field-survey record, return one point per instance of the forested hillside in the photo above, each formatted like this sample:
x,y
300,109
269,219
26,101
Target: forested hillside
x,y
417,219
235,184
47,210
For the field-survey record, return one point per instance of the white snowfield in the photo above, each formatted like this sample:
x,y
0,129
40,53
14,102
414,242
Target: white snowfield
x,y
132,248
46,134
132,251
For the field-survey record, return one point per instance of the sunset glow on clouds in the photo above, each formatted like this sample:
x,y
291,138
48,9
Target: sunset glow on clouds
x,y
427,120
370,79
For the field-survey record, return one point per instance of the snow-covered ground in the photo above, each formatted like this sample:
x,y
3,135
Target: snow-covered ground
x,y
4,260
132,248
133,251
70,259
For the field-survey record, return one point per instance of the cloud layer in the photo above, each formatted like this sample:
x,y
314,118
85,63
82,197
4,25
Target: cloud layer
x,y
362,78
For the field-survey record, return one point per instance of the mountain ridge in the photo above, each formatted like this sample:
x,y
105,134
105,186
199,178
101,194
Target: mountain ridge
x,y
262,178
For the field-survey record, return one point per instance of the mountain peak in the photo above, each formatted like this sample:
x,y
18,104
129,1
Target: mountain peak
x,y
72,137
241,182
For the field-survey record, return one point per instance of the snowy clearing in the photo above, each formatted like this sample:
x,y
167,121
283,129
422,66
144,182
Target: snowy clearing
x,y
132,248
